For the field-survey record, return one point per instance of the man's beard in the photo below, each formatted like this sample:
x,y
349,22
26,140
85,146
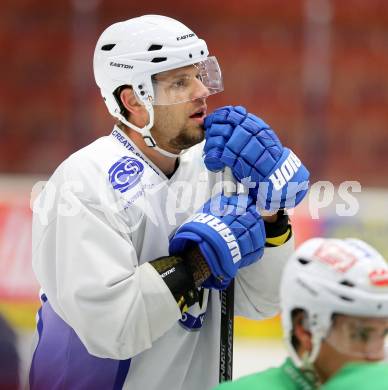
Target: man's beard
x,y
186,139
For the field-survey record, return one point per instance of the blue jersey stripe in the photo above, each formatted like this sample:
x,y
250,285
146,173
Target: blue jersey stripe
x,y
39,328
122,373
61,361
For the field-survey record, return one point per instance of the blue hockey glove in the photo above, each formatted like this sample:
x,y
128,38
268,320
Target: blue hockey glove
x,y
246,144
227,242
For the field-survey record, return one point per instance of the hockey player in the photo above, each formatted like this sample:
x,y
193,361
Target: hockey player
x,y
129,269
334,300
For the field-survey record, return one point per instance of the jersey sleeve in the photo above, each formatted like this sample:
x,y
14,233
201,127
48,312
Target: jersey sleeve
x,y
257,286
90,274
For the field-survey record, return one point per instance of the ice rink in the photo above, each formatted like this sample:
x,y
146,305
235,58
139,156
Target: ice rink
x,y
256,355
314,70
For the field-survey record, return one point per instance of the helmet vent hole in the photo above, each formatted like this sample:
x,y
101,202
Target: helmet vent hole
x,y
159,59
347,283
154,47
347,299
303,261
108,47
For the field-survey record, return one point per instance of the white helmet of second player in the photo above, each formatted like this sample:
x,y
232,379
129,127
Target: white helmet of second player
x,y
132,51
332,276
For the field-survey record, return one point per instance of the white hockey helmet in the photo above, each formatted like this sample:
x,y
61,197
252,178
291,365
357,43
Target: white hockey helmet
x,y
132,51
332,276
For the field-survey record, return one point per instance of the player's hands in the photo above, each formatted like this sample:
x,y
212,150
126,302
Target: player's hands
x,y
227,242
246,144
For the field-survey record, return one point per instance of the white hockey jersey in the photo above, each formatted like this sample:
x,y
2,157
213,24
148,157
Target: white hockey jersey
x,y
108,321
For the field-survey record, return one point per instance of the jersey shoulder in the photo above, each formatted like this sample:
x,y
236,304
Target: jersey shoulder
x,y
103,164
360,376
102,175
97,156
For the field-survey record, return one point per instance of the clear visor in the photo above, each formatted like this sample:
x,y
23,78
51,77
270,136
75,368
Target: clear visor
x,y
363,338
188,83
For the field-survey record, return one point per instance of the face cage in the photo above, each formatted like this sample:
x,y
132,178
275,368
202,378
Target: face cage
x,y
197,81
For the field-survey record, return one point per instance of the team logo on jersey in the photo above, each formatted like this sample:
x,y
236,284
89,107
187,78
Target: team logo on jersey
x,y
125,173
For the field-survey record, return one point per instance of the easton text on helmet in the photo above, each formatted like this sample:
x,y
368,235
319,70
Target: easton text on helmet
x,y
118,65
185,36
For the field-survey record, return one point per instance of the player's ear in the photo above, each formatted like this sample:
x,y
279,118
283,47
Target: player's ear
x,y
130,102
302,332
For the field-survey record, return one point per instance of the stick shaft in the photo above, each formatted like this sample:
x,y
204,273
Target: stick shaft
x,y
227,311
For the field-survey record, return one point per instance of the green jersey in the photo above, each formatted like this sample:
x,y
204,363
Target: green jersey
x,y
354,376
285,377
360,376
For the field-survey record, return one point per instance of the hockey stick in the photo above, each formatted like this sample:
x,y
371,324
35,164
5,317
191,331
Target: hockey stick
x,y
227,311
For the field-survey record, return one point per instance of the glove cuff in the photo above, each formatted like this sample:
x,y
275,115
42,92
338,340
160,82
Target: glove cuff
x,y
178,278
278,232
197,265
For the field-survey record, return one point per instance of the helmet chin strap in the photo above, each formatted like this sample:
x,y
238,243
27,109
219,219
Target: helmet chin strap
x,y
146,133
309,358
